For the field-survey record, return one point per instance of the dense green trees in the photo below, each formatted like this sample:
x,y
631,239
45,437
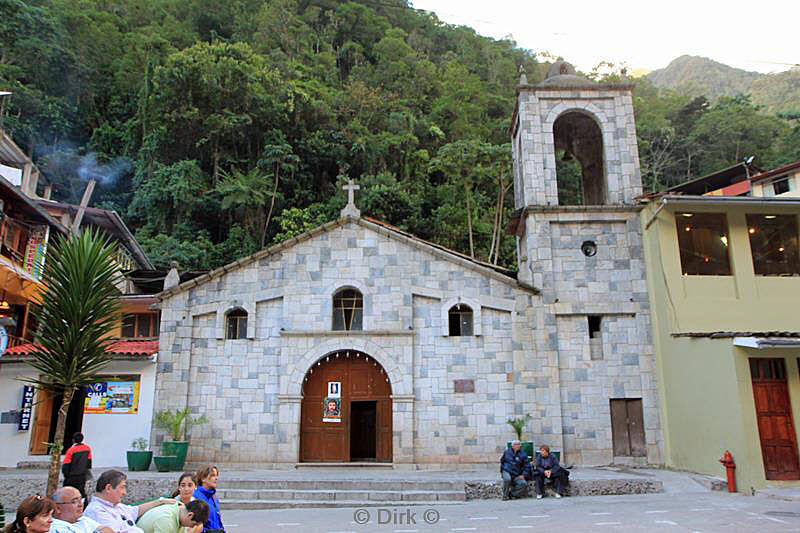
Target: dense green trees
x,y
223,127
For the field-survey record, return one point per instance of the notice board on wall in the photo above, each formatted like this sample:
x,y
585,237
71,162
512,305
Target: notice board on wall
x,y
113,395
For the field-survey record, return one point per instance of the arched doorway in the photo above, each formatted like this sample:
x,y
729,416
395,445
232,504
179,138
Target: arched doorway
x,y
357,427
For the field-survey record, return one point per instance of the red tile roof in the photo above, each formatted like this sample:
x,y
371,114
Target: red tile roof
x,y
122,348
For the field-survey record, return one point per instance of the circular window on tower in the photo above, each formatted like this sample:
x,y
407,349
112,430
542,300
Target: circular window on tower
x,y
589,248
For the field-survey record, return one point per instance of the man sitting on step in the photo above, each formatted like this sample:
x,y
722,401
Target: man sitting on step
x,y
513,464
547,468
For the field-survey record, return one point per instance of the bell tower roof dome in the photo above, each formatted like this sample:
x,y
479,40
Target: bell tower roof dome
x,y
563,74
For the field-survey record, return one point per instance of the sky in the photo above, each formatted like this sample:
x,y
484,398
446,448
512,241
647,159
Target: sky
x,y
755,36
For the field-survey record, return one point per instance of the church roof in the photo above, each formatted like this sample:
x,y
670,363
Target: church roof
x,y
493,271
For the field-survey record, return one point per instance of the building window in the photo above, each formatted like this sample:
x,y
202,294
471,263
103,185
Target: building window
x,y
774,244
460,320
595,337
236,323
781,186
703,243
348,310
140,325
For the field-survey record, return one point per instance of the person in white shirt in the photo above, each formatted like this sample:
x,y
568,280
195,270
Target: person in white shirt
x,y
107,508
68,516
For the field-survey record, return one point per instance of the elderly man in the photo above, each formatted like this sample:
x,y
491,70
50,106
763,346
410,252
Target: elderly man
x,y
68,516
107,507
547,468
513,464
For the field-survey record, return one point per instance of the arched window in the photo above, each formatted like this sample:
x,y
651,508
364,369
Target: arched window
x,y
236,324
460,320
580,169
348,310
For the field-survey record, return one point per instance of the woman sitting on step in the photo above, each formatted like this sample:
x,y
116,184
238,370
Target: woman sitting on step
x,y
206,491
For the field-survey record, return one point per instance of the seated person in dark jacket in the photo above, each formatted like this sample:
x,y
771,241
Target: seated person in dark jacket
x,y
513,465
547,467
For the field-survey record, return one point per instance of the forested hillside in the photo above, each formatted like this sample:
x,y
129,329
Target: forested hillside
x,y
220,127
700,76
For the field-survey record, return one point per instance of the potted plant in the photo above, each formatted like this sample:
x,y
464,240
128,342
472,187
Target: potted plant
x,y
519,424
177,423
139,456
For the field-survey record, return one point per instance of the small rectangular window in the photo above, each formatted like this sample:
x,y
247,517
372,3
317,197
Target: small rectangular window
x,y
595,337
594,326
781,186
703,244
143,326
129,326
774,244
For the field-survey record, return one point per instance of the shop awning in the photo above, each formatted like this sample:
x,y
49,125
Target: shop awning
x,y
137,349
760,343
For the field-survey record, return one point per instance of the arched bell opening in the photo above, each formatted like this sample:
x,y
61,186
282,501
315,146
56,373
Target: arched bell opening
x,y
580,167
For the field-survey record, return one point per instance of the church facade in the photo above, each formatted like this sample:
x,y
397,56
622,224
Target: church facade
x,y
359,342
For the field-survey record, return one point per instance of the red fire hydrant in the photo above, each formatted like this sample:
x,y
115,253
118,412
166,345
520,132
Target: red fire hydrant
x,y
730,466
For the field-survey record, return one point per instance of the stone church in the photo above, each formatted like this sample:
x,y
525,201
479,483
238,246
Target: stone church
x,y
359,342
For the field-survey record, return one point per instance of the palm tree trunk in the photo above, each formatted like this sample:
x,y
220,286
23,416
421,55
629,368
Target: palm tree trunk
x,y
58,438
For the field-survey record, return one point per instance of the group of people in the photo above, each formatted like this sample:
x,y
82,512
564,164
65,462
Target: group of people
x,y
191,508
517,469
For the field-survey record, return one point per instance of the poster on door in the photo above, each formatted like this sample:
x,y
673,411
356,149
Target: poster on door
x,y
332,410
113,396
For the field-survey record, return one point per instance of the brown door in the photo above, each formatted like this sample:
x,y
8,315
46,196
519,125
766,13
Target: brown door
x,y
40,432
365,410
774,418
627,427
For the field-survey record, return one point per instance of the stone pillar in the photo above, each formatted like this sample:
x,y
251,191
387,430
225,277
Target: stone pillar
x,y
403,430
288,428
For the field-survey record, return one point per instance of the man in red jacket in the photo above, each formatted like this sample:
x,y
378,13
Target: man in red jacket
x,y
77,462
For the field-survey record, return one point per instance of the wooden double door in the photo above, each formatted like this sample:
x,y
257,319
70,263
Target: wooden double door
x,y
362,429
774,418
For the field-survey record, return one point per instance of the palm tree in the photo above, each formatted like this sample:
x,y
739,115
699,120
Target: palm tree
x,y
79,309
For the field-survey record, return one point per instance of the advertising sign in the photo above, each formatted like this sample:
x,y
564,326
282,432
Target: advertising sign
x,y
115,395
26,408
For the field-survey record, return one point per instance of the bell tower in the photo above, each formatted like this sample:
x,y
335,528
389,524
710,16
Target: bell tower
x,y
579,240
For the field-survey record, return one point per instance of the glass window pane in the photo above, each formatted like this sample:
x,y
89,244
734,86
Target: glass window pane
x,y
242,329
703,243
774,244
466,323
338,320
231,333
143,325
357,325
128,326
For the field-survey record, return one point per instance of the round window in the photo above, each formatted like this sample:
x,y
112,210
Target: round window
x,y
589,248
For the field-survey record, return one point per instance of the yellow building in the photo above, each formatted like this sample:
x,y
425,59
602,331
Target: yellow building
x,y
724,284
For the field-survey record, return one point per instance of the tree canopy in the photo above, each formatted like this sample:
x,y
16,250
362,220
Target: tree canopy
x,y
218,128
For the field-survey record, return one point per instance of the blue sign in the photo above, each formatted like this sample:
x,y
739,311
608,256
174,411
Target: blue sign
x,y
26,408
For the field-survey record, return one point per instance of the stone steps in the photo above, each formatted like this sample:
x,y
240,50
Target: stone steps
x,y
284,494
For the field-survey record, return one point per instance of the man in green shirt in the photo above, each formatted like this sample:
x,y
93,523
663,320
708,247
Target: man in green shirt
x,y
171,518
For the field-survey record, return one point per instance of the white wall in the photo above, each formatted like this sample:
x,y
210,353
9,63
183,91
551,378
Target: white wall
x,y
14,175
109,435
